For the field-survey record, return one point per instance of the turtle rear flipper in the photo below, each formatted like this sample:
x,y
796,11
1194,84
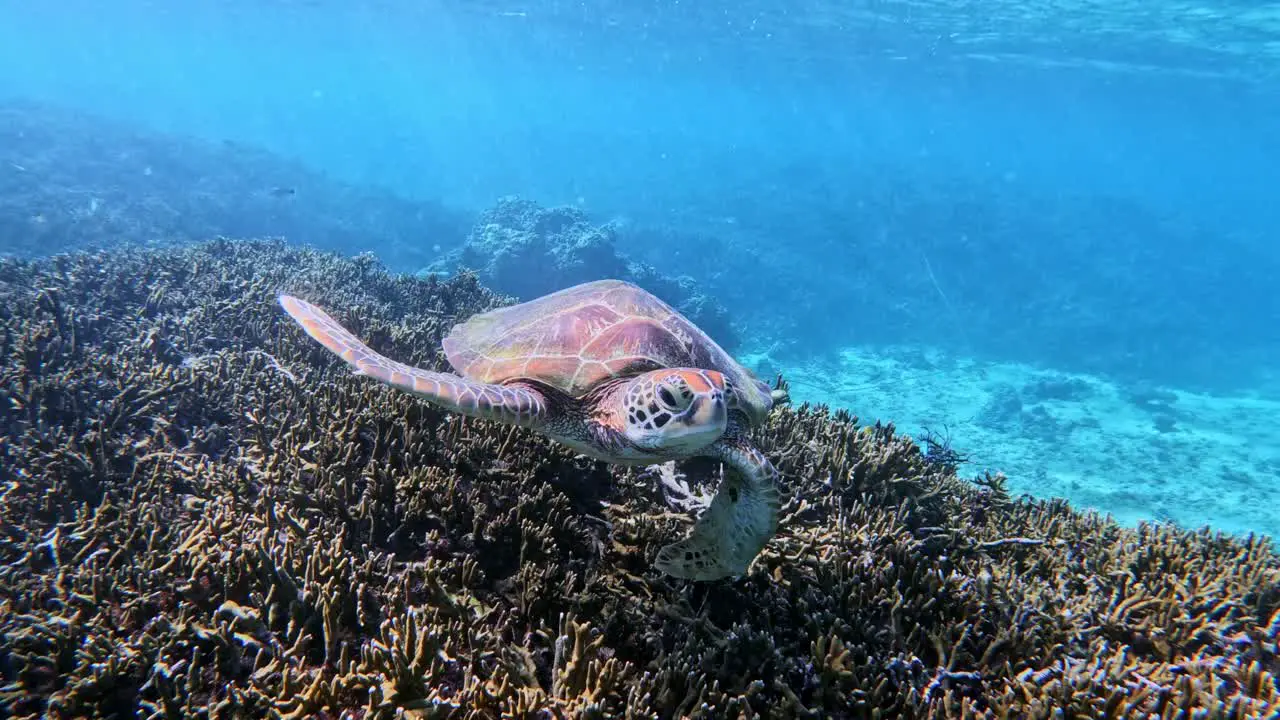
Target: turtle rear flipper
x,y
513,404
740,520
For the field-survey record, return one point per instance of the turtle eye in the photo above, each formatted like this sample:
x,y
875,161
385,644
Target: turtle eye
x,y
675,396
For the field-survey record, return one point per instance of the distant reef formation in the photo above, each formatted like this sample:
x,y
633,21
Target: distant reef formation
x,y
523,249
73,181
203,514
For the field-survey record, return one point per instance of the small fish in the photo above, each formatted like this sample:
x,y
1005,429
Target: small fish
x,y
17,167
282,192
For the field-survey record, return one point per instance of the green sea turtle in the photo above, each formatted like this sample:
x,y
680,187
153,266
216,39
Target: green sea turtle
x,y
613,372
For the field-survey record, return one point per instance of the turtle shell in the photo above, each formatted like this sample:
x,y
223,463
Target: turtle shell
x,y
576,338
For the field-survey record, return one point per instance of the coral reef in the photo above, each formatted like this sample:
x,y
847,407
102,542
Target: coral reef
x,y
71,180
203,514
522,249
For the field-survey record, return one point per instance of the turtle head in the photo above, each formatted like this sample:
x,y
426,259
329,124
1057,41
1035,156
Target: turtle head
x,y
676,410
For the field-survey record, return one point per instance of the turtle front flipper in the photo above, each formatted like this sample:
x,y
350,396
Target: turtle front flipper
x,y
740,520
512,404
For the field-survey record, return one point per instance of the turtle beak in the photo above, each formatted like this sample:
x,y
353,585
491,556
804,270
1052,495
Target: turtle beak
x,y
708,411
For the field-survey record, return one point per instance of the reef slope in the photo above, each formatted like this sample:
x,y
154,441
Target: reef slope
x,y
203,514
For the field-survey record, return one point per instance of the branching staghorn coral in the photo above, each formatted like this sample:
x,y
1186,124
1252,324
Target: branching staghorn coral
x,y
203,515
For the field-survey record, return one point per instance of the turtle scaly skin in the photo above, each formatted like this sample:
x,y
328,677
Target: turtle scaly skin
x,y
737,524
509,404
612,372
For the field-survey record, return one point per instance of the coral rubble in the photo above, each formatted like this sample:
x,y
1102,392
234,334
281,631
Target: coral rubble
x,y
203,514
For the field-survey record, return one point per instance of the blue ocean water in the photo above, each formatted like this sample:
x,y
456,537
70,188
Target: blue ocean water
x,y
1049,228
